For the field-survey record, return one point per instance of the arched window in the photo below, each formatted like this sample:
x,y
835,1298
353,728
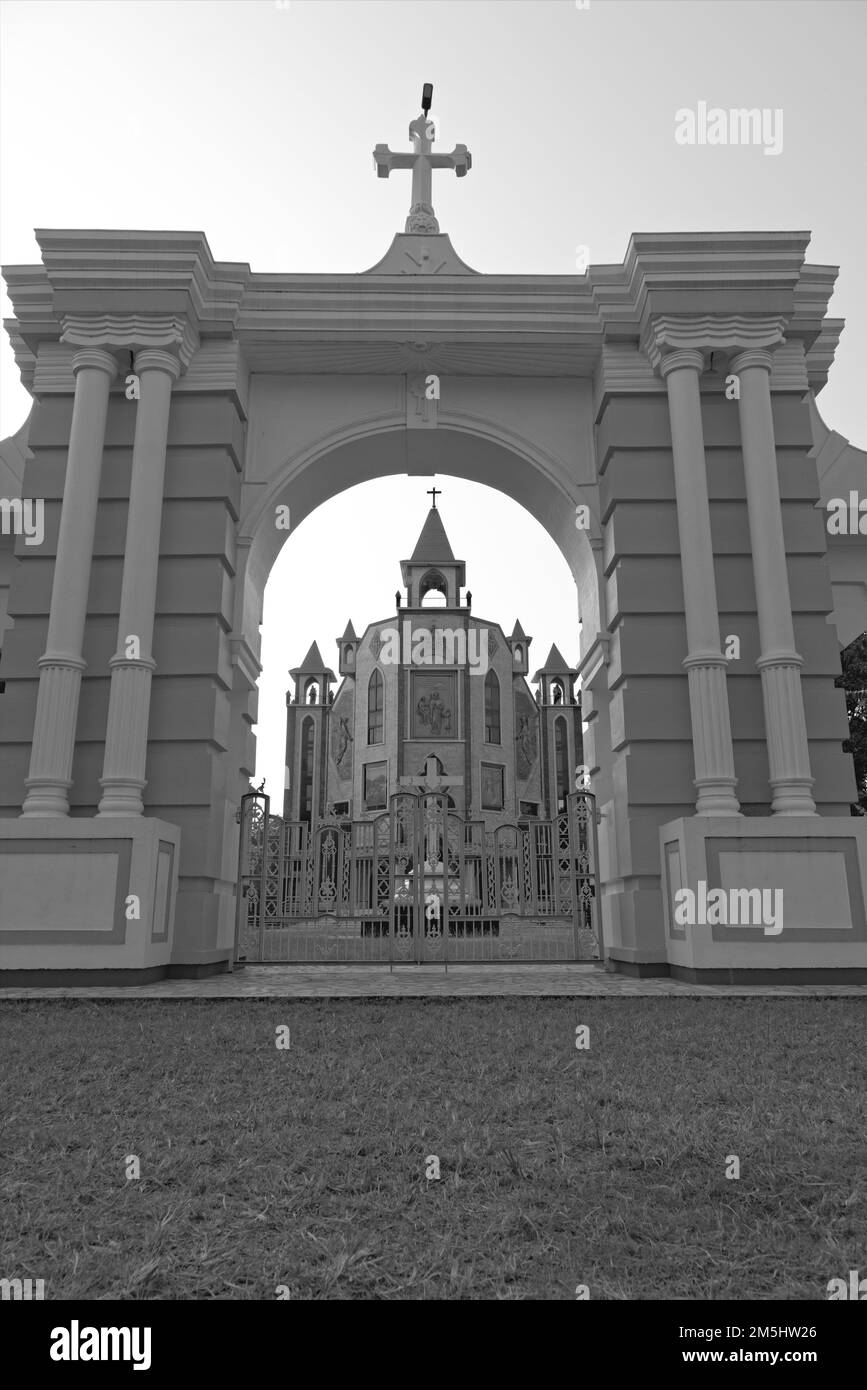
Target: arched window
x,y
561,754
347,655
311,693
492,708
519,654
375,707
556,692
305,803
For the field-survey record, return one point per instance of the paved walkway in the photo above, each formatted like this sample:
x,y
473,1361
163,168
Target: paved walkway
x,y
421,982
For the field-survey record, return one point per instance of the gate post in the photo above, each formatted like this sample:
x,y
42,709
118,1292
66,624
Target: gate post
x,y
245,819
583,817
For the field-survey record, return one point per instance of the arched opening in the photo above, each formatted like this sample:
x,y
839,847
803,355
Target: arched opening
x,y
307,739
492,708
345,472
433,591
375,707
311,693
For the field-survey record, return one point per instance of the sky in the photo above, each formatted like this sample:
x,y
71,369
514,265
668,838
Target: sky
x,y
255,122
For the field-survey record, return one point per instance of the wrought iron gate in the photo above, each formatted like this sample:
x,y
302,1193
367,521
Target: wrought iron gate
x,y
418,883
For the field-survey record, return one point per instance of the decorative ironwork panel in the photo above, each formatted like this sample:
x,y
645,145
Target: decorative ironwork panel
x,y
417,883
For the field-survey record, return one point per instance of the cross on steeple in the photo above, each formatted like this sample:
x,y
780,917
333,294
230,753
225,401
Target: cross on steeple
x,y
422,161
434,492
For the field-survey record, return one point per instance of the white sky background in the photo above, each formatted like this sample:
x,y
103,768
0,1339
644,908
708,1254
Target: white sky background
x,y
256,125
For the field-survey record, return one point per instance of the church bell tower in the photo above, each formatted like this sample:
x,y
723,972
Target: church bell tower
x,y
308,719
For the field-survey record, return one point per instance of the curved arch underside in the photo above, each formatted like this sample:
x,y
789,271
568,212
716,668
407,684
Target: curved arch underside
x,y
304,486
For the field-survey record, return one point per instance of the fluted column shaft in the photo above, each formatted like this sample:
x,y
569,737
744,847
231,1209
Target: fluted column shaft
x,y
778,663
123,779
705,664
61,666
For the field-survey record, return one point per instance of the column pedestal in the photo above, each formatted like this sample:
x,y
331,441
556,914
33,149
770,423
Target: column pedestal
x,y
787,736
126,737
708,702
50,779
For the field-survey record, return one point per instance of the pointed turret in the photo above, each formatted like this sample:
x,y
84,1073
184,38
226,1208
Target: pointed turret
x,y
347,647
312,678
519,646
556,678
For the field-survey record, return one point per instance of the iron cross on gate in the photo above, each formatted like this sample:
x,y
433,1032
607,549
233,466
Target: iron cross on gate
x,y
422,161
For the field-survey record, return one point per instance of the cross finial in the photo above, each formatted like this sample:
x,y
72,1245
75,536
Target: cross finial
x,y
422,161
434,492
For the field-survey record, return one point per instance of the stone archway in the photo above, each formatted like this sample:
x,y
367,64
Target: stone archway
x,y
175,412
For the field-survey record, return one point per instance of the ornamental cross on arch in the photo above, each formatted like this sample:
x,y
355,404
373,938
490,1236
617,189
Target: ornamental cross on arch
x,y
422,161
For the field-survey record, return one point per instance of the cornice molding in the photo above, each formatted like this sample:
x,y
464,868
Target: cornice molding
x,y
819,356
729,334
133,332
471,323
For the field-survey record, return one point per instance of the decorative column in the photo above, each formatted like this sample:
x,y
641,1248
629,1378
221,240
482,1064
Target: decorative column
x,y
123,779
779,663
60,668
705,664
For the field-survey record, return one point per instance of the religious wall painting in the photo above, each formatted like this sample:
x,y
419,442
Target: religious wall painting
x,y
526,735
493,787
341,735
433,705
375,788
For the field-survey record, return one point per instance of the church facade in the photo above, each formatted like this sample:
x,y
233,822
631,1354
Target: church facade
x,y
432,698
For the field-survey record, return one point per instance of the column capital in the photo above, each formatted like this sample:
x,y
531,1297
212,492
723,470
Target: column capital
x,y
752,357
100,357
158,359
662,334
681,359
174,333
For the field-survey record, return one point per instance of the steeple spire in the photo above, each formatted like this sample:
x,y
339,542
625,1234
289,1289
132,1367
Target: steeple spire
x,y
432,565
432,546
